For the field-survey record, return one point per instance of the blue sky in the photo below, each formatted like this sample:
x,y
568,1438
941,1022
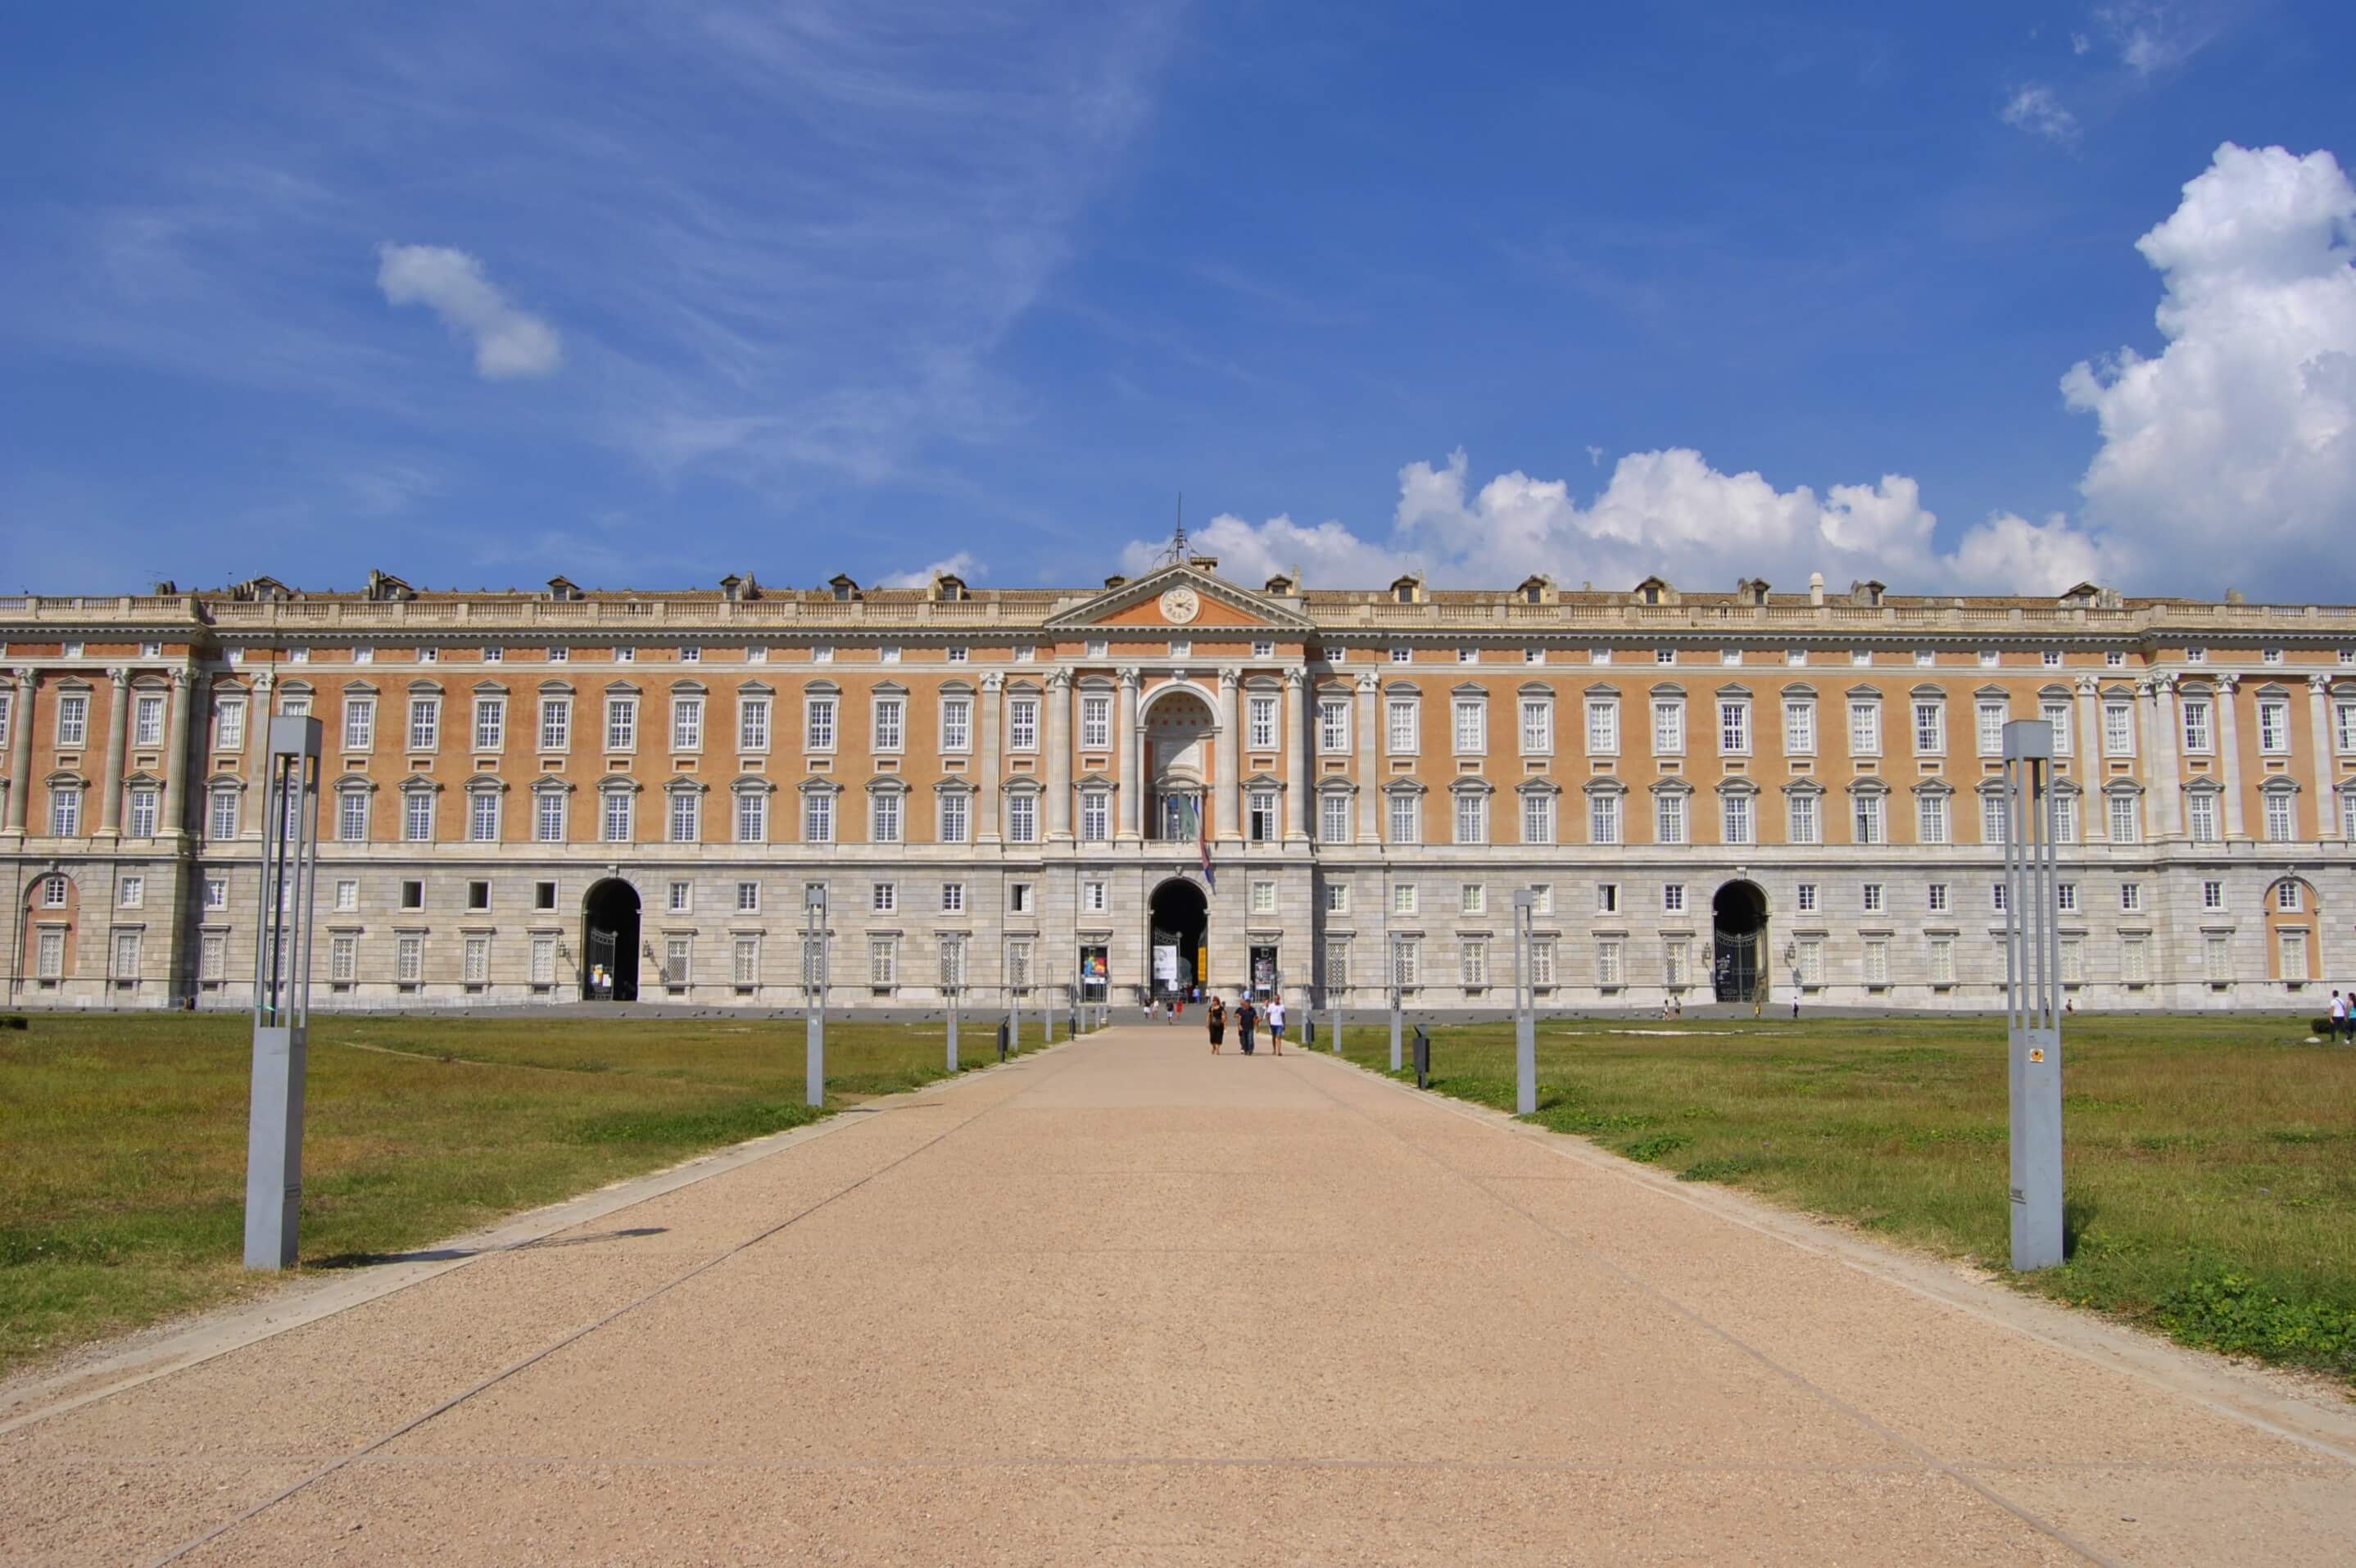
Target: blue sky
x,y
647,294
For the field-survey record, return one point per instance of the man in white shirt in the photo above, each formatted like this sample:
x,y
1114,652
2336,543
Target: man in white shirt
x,y
1276,1026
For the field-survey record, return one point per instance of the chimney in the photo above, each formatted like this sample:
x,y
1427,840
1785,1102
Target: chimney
x,y
1816,587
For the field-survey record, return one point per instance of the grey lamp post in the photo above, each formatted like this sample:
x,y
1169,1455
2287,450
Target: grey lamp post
x,y
1525,1032
2032,1003
1013,1004
952,973
282,995
1397,957
814,956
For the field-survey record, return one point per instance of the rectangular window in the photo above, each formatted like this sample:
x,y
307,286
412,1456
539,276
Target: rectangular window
x,y
555,724
1800,728
2118,730
2135,960
1403,898
417,816
889,730
1472,959
1868,821
131,892
621,724
680,897
1806,825
677,951
1473,899
73,720
745,962
1673,898
1096,721
1734,811
1865,729
615,820
1337,966
424,723
1870,896
2131,898
482,816
885,818
1537,817
212,956
1096,816
478,960
1022,724
409,959
2280,824
1943,961
1260,723
686,724
1930,728
1018,899
1676,962
1263,898
2196,725
2216,958
1734,728
1402,731
817,725
1805,899
1407,963
2343,727
1337,897
1541,963
883,961
1606,961
548,817
1668,728
2057,719
1992,818
1537,726
490,724
2274,726
1812,961
2126,819
1333,816
752,723
145,809
1023,818
1471,819
1930,818
686,817
1095,898
344,960
1935,897
1607,897
952,897
1877,961
1603,818
1603,728
359,724
1472,726
753,817
1991,726
956,816
1404,819
1333,726
1669,818
148,722
229,725
818,817
1260,824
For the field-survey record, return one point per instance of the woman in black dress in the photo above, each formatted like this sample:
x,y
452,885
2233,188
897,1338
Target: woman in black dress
x,y
1217,1013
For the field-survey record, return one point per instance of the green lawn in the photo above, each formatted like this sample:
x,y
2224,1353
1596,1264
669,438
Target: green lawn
x,y
122,1138
2211,1160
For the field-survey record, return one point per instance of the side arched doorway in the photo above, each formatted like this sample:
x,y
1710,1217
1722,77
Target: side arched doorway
x,y
609,943
1179,937
1738,941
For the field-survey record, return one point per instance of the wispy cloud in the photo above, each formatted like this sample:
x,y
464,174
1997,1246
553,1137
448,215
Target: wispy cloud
x,y
2152,38
2035,108
509,342
962,565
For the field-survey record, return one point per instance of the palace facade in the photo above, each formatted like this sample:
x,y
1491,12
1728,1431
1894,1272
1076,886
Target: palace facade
x,y
529,797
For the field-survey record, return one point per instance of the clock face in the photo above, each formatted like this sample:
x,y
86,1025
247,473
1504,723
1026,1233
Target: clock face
x,y
1181,604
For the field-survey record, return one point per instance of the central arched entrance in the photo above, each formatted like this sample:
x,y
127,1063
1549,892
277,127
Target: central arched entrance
x,y
609,943
1178,942
1739,940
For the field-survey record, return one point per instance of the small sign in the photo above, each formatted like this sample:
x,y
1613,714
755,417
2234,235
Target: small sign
x,y
2036,1053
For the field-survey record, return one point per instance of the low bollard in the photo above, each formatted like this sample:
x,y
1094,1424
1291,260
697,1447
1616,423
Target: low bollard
x,y
1309,1034
1001,1040
1422,1059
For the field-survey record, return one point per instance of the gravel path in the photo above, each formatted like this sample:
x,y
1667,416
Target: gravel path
x,y
1125,1301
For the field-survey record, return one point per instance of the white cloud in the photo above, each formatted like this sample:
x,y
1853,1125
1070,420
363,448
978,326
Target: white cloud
x,y
962,565
1667,511
2235,450
2151,38
508,342
2035,108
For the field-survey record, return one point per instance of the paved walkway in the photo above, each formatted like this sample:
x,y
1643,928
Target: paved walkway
x,y
1127,1302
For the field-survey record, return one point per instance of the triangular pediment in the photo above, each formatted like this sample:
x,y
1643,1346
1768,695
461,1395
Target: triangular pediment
x,y
1157,601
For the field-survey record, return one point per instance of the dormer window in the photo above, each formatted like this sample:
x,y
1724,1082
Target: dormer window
x,y
845,589
1279,583
948,589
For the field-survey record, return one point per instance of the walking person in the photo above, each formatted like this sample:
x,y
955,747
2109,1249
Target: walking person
x,y
1276,1026
2347,1024
1218,1015
1247,1017
2339,1011
1178,1006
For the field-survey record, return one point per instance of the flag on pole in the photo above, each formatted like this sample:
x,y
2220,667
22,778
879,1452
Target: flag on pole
x,y
1203,843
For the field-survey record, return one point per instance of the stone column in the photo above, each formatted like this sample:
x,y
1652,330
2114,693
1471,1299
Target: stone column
x,y
20,749
257,756
1059,754
985,767
110,783
1132,761
1370,758
2229,750
2095,817
1301,821
1231,745
188,689
2318,730
2164,738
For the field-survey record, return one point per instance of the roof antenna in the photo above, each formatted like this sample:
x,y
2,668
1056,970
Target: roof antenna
x,y
1177,552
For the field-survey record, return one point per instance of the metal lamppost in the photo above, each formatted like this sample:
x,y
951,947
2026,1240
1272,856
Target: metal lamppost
x,y
1333,1005
1013,1004
1397,959
1526,1001
282,995
1079,975
952,974
2031,994
814,956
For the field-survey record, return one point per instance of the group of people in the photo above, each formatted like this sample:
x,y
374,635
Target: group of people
x,y
1248,1016
2343,1015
